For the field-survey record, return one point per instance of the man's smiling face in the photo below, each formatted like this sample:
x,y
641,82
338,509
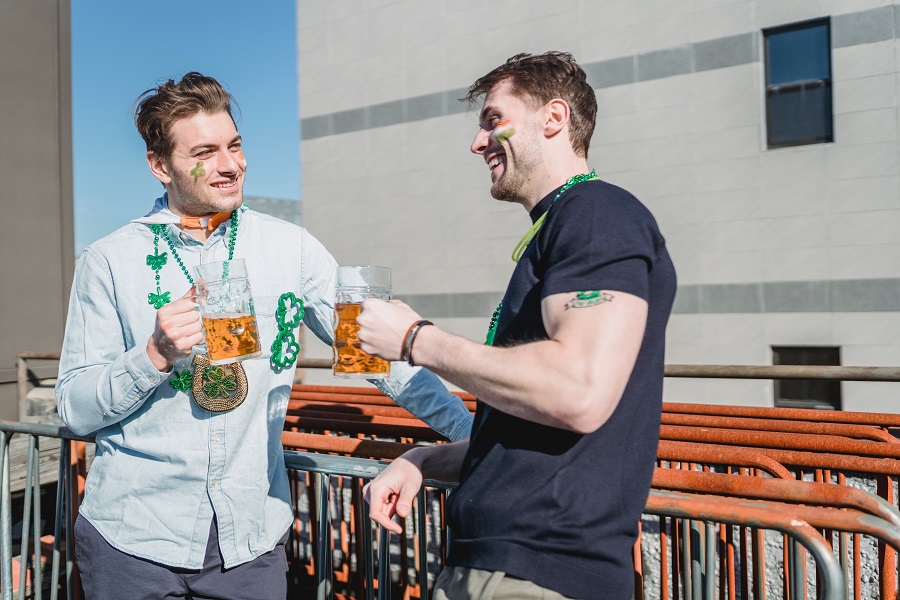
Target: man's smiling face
x,y
507,141
205,173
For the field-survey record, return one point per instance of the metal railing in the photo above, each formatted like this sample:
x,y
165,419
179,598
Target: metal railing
x,y
792,450
693,512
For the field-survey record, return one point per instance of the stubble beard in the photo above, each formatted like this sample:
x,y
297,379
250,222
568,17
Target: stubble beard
x,y
513,184
191,203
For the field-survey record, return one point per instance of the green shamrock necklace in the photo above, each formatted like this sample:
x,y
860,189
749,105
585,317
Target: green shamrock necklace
x,y
285,348
215,388
526,239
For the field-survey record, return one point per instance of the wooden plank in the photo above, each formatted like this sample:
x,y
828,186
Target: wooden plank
x,y
48,459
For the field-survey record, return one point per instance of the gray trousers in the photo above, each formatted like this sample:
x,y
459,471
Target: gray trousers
x,y
110,574
462,583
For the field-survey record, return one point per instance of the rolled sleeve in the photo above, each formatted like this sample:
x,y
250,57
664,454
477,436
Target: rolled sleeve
x,y
101,381
420,392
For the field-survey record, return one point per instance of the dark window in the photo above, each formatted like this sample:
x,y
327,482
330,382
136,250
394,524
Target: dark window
x,y
798,84
807,393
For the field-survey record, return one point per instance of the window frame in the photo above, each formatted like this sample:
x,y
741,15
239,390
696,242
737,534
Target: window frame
x,y
799,85
833,390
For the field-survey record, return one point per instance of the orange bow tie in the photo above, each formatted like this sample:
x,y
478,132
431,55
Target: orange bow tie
x,y
214,221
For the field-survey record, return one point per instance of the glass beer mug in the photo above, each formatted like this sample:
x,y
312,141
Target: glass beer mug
x,y
226,308
355,284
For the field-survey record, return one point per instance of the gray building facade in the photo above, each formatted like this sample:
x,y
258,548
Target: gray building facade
x,y
783,233
36,232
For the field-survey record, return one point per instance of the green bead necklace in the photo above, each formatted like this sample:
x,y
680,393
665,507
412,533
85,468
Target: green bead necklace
x,y
526,239
209,377
529,235
156,261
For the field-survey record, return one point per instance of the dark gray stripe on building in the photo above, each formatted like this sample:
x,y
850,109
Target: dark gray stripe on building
x,y
864,27
407,110
465,305
855,295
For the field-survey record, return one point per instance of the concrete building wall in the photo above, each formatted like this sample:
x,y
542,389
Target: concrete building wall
x,y
36,231
289,210
791,246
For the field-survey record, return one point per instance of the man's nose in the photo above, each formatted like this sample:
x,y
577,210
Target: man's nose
x,y
229,163
481,141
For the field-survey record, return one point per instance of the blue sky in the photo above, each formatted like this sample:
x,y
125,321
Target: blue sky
x,y
120,49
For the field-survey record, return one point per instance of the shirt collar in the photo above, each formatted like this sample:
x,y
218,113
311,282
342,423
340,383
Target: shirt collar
x,y
160,214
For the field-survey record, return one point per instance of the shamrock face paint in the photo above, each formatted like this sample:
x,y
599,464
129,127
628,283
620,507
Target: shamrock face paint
x,y
503,131
198,171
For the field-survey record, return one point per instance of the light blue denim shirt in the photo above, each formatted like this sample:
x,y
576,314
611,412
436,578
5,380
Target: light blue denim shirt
x,y
164,465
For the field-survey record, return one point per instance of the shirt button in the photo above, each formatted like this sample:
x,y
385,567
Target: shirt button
x,y
216,437
213,483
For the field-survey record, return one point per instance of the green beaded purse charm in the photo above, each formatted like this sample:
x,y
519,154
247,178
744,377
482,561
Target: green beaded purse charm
x,y
285,348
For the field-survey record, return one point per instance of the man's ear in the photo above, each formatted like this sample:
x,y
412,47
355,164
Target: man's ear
x,y
159,168
556,116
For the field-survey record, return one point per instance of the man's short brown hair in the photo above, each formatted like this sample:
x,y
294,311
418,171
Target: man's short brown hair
x,y
157,109
540,78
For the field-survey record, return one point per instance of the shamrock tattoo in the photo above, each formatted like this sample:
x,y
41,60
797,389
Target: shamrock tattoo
x,y
159,300
589,298
219,382
156,261
182,380
198,171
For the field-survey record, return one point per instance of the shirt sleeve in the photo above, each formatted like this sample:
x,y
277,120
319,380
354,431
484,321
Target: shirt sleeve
x,y
318,271
416,389
423,394
100,380
605,241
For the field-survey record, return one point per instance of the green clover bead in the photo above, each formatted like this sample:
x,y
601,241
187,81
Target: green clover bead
x,y
288,302
218,382
156,261
182,380
158,300
285,349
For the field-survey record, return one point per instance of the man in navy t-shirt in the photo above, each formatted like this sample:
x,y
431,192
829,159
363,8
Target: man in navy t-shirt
x,y
556,472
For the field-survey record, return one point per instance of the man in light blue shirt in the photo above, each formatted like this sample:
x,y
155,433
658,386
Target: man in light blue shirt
x,y
187,501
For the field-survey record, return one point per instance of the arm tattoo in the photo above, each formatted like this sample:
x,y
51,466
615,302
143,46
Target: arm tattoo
x,y
588,298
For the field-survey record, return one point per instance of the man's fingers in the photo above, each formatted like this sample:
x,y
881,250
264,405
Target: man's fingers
x,y
385,521
404,500
179,319
180,306
382,506
191,293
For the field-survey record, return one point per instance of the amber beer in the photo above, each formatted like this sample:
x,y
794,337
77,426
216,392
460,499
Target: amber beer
x,y
226,309
349,359
229,337
353,285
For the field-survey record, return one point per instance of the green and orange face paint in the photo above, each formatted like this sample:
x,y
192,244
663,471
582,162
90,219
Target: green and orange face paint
x,y
503,131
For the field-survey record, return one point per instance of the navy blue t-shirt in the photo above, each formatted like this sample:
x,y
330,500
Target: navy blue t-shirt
x,y
549,505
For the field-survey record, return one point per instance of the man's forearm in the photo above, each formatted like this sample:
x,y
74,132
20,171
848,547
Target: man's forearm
x,y
526,381
441,462
95,396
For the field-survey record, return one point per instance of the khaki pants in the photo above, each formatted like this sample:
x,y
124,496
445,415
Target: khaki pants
x,y
462,583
